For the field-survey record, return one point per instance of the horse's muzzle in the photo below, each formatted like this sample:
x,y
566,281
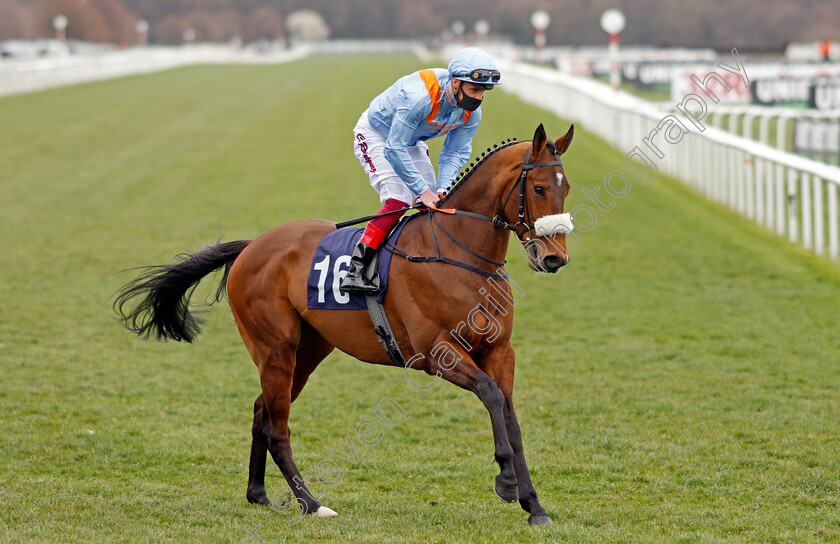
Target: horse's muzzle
x,y
553,263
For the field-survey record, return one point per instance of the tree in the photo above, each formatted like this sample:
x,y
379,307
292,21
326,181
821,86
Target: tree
x,y
264,23
86,22
307,25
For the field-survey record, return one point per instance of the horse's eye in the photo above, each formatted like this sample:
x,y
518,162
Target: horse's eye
x,y
540,191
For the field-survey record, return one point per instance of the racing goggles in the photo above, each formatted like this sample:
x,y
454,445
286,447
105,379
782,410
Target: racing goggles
x,y
482,76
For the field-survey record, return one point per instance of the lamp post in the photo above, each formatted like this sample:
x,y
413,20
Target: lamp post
x,y
59,23
458,28
540,20
612,22
142,28
482,29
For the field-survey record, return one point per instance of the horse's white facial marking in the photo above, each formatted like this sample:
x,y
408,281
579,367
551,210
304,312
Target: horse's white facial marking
x,y
559,178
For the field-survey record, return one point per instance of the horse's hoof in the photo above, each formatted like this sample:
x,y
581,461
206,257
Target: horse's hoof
x,y
507,493
259,499
539,520
324,512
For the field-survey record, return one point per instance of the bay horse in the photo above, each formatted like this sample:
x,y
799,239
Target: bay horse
x,y
519,187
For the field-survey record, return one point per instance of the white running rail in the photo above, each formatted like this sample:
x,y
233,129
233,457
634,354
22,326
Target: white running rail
x,y
34,75
794,196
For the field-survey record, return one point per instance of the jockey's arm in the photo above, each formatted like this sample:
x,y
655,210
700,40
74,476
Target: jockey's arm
x,y
456,151
408,117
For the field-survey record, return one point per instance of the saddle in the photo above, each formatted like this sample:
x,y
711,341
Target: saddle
x,y
332,257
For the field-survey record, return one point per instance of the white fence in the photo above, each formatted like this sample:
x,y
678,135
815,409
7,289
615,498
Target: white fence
x,y
794,196
815,134
23,76
35,75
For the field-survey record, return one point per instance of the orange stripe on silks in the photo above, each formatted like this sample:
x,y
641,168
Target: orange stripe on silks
x,y
466,116
432,85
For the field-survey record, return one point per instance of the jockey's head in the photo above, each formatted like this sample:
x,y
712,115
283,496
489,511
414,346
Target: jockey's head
x,y
473,72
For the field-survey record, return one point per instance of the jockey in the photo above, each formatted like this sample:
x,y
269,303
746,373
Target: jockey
x,y
389,143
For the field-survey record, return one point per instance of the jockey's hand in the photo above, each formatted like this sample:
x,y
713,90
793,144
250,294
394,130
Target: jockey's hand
x,y
429,199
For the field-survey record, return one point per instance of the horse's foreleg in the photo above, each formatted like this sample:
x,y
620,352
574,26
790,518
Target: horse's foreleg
x,y
501,368
527,494
467,375
259,447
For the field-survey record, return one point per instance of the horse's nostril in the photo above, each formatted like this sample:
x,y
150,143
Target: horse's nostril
x,y
552,263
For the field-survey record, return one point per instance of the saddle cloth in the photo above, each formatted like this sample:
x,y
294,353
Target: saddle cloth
x,y
330,264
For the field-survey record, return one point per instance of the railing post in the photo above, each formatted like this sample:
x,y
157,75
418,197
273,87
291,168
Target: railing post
x,y
807,222
764,128
749,193
833,222
734,186
781,200
760,202
819,217
793,227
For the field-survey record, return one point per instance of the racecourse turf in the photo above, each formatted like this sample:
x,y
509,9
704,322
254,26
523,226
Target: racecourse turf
x,y
677,382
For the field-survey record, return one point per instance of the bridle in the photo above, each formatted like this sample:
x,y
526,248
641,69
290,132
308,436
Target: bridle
x,y
524,215
497,221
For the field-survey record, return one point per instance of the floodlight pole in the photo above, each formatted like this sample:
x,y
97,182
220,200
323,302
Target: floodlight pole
x,y
540,20
612,22
142,29
615,73
59,23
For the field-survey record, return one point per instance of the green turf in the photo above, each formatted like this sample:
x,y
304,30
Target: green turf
x,y
677,382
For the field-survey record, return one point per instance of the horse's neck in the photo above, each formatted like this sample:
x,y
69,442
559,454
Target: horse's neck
x,y
485,190
480,194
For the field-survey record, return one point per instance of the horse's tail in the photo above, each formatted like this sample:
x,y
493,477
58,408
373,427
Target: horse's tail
x,y
165,291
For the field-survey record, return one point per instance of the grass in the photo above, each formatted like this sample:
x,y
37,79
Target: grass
x,y
677,382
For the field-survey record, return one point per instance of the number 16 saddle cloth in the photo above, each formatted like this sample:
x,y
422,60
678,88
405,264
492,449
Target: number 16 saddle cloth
x,y
330,264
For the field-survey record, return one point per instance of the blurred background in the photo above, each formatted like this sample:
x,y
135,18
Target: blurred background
x,y
767,25
678,382
645,49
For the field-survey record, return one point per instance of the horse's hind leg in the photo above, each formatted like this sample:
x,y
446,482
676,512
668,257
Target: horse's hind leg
x,y
277,376
311,350
260,430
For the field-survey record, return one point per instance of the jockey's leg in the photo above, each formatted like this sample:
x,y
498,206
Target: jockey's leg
x,y
361,276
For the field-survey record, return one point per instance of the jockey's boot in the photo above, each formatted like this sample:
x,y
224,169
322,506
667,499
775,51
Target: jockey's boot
x,y
362,276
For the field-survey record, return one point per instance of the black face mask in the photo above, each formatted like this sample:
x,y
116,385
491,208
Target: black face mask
x,y
465,101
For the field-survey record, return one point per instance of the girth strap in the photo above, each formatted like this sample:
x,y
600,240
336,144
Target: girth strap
x,y
384,332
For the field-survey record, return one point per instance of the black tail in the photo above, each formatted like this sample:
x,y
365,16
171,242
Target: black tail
x,y
165,293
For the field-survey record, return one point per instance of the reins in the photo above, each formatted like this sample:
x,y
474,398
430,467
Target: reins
x,y
439,258
496,221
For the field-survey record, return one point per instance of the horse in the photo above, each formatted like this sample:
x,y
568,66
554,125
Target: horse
x,y
266,280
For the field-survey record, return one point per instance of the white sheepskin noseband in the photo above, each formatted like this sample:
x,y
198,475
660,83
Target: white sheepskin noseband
x,y
560,223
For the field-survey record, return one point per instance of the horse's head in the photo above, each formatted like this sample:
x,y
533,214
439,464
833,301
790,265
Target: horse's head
x,y
533,202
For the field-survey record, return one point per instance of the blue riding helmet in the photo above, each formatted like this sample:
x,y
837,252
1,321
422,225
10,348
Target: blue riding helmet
x,y
475,66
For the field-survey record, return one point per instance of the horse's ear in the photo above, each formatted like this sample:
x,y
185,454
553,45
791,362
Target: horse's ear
x,y
540,140
565,141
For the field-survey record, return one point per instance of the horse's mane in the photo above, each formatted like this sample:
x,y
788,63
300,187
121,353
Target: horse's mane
x,y
465,175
